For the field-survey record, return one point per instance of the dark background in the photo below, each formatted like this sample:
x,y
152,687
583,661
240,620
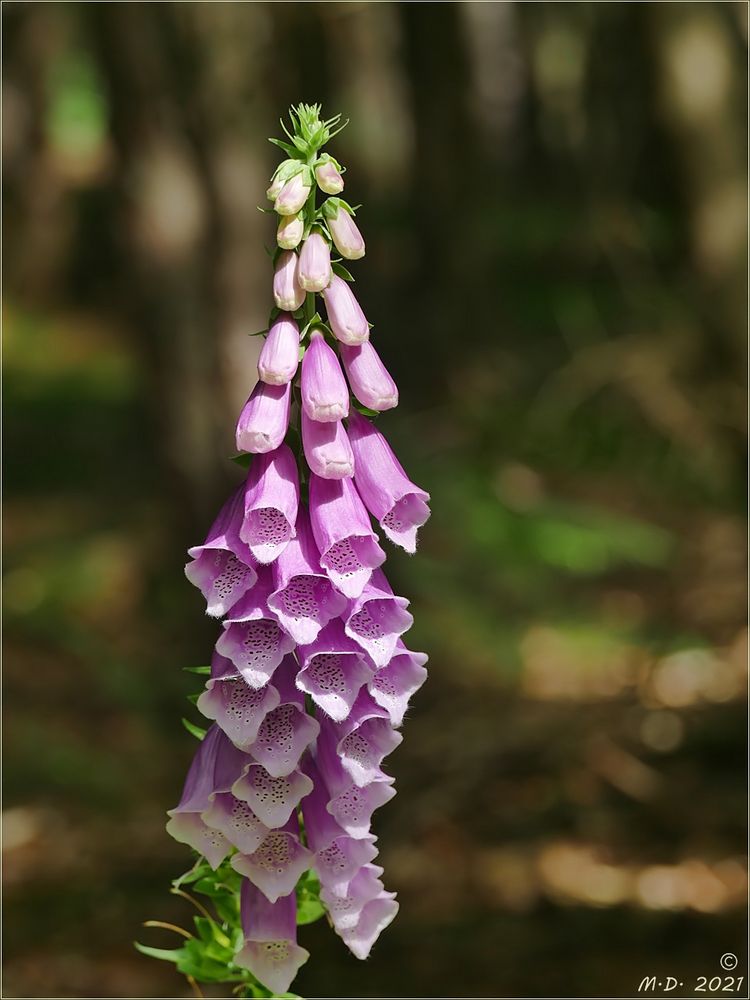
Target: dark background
x,y
554,203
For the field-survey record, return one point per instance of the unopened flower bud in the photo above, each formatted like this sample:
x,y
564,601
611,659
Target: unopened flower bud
x,y
289,232
287,292
345,315
279,357
327,448
275,187
325,396
346,235
328,177
293,195
314,268
368,377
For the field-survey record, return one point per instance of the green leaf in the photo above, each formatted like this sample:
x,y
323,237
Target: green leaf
x,y
309,906
289,150
194,730
342,272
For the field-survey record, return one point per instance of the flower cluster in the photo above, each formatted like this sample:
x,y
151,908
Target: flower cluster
x,y
310,677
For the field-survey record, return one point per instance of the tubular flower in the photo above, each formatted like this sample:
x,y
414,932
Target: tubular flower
x,y
368,377
327,175
271,504
264,419
314,267
310,678
348,546
325,396
388,493
279,356
344,232
345,315
304,599
223,567
270,950
290,231
293,195
327,449
288,294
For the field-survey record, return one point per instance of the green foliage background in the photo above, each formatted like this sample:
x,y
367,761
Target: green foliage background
x,y
554,203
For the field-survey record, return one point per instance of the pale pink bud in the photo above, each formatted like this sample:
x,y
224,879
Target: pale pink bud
x,y
325,396
289,232
345,315
275,189
279,357
327,448
346,235
287,293
314,269
328,178
368,377
293,195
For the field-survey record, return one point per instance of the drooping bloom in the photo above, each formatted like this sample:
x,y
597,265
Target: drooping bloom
x,y
288,294
288,730
333,669
327,448
252,638
223,567
273,800
270,950
264,418
393,500
393,685
236,707
338,857
290,230
314,267
348,546
303,599
277,863
328,177
271,504
377,618
293,195
345,234
368,377
216,766
348,322
325,396
279,356
361,741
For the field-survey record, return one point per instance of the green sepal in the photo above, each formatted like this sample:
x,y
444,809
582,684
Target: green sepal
x,y
242,458
163,954
193,698
365,411
259,333
197,670
313,321
194,730
341,271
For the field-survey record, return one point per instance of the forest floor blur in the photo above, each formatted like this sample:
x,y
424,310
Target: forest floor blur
x,y
571,806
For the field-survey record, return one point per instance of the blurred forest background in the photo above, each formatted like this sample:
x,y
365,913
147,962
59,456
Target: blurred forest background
x,y
554,205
